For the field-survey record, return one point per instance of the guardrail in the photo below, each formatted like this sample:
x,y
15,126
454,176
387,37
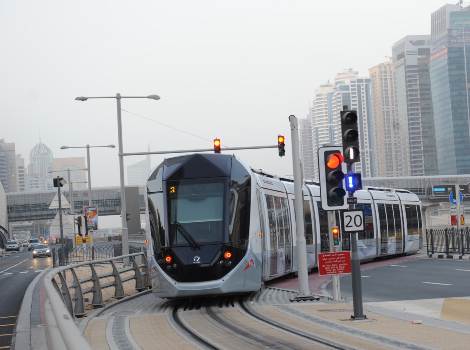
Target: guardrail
x,y
448,241
75,281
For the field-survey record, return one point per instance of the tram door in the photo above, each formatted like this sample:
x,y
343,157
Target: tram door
x,y
280,238
399,248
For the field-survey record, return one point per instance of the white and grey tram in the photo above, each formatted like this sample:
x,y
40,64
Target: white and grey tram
x,y
220,227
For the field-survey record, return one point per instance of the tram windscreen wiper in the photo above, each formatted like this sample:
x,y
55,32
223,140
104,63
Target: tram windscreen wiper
x,y
187,236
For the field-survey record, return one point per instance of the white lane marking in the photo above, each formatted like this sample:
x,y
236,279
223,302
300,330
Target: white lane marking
x,y
8,273
462,270
22,261
398,265
365,276
38,271
438,283
24,271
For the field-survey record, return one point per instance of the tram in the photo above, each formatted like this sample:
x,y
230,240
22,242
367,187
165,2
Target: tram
x,y
218,226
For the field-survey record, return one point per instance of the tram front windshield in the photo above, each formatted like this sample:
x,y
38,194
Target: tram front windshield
x,y
195,212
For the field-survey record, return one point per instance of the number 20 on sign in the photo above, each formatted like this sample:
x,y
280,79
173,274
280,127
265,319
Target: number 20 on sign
x,y
353,221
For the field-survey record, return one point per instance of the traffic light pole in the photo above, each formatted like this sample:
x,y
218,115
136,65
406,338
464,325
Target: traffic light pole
x,y
335,278
61,226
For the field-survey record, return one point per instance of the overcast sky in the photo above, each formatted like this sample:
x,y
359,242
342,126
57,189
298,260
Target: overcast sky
x,y
235,69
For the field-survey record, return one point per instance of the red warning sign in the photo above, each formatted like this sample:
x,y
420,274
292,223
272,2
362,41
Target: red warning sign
x,y
334,263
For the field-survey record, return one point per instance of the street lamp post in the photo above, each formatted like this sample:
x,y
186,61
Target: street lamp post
x,y
118,97
87,146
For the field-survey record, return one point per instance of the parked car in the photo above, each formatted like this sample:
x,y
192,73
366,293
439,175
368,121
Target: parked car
x,y
12,245
33,241
41,250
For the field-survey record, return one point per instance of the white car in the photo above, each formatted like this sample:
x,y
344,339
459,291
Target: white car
x,y
41,250
12,245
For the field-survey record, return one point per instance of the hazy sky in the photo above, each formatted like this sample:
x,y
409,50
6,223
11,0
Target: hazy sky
x,y
235,69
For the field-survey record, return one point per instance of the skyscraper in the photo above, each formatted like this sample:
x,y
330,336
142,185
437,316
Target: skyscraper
x,y
38,177
354,91
21,171
306,148
450,83
387,138
324,127
411,57
8,172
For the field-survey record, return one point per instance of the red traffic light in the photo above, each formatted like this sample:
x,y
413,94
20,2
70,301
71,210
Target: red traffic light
x,y
217,145
334,160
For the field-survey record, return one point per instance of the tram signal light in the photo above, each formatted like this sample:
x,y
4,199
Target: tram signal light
x,y
281,145
332,169
350,136
59,181
217,145
335,233
353,182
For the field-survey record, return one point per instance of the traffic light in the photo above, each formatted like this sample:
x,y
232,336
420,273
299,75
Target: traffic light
x,y
332,169
335,233
78,222
353,182
281,145
350,136
58,181
217,145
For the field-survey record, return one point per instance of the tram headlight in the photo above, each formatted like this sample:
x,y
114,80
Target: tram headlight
x,y
168,259
228,255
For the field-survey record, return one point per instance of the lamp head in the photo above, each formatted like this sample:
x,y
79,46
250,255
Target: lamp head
x,y
81,98
153,97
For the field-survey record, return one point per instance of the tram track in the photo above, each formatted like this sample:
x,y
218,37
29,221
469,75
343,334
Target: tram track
x,y
231,324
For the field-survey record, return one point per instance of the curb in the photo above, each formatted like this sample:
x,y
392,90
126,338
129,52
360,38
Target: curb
x,y
450,256
22,337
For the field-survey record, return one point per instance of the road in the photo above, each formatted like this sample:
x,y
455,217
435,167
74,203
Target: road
x,y
409,279
16,272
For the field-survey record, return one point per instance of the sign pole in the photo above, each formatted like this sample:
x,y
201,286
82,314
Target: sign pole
x,y
457,201
355,269
335,278
60,210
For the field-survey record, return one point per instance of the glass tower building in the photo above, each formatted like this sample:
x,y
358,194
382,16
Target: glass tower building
x,y
449,71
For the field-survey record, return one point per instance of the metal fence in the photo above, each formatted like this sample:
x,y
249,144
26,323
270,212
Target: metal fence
x,y
448,241
65,254
75,281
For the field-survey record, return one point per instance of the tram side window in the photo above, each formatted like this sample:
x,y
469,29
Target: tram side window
x,y
156,228
279,220
396,212
383,220
323,221
411,219
285,219
368,232
390,221
308,223
272,222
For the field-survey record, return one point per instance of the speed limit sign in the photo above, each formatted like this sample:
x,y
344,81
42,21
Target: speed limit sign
x,y
353,221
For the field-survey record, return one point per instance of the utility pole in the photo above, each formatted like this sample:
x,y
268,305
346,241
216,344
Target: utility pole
x,y
298,209
335,280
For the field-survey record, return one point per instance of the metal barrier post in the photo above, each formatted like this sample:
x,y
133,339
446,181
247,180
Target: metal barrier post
x,y
139,281
78,307
65,292
446,237
97,295
118,289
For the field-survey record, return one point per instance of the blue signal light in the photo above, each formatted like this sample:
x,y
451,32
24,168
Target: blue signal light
x,y
353,182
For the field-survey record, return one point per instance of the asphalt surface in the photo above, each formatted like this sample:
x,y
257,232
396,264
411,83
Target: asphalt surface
x,y
17,270
410,279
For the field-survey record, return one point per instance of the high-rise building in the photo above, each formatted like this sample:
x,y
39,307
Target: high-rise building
x,y
39,176
324,127
386,132
138,173
306,148
21,172
450,83
411,57
354,91
78,173
8,172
